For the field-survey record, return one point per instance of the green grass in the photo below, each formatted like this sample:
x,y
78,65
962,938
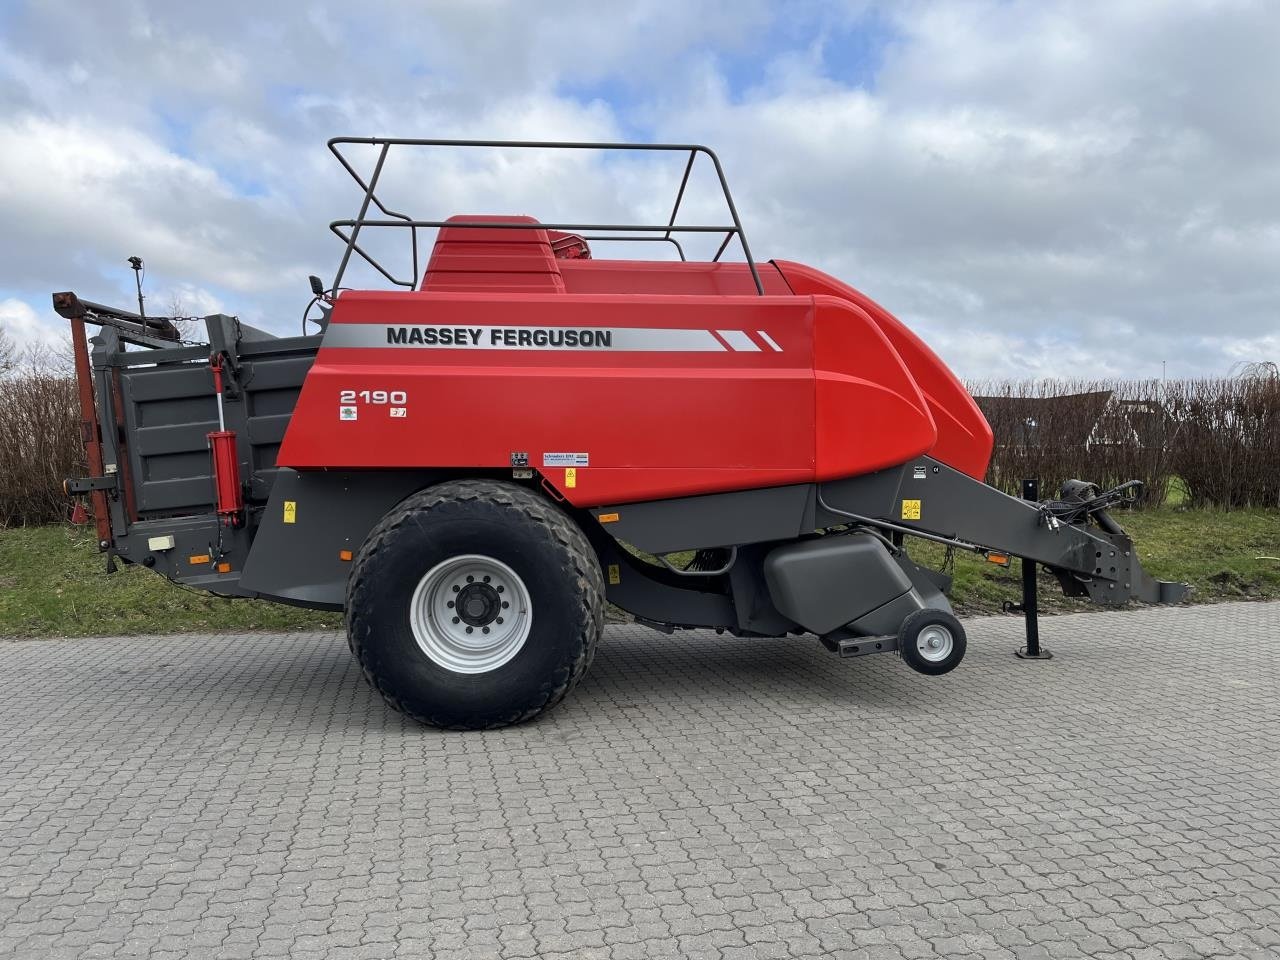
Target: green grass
x,y
1216,552
52,582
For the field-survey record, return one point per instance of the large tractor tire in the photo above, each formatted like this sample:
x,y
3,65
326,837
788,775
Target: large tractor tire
x,y
475,604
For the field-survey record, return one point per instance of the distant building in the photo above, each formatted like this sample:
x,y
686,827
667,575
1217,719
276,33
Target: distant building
x,y
1074,420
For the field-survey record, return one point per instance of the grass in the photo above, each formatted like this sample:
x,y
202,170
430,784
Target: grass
x,y
52,582
1217,552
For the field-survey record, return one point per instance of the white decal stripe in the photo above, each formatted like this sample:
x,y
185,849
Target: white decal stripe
x,y
425,336
738,340
658,339
769,340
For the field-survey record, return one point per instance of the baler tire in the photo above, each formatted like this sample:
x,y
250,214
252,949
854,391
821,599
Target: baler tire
x,y
917,623
524,531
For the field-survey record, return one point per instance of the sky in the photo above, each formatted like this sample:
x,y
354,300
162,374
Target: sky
x,y
1040,189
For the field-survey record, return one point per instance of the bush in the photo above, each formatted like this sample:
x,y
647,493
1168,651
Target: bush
x,y
1107,432
1227,449
39,446
1217,439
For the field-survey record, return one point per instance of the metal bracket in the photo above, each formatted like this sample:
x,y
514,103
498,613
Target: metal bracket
x,y
733,558
73,486
863,646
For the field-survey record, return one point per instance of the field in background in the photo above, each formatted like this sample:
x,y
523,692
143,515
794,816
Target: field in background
x,y
52,581
53,584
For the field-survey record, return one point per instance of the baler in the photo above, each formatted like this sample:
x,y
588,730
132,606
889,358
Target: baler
x,y
472,462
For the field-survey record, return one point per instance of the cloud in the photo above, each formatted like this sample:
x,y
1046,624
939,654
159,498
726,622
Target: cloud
x,y
24,328
1040,188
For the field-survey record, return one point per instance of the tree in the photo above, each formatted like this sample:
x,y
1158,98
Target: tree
x,y
8,352
1254,370
188,328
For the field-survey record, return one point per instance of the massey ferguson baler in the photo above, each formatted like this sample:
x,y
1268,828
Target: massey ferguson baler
x,y
472,463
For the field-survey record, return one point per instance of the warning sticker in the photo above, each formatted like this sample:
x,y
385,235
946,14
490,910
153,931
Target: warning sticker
x,y
615,574
917,473
570,476
291,511
910,509
565,460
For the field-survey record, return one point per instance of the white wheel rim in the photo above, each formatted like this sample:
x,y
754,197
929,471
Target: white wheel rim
x,y
470,614
935,642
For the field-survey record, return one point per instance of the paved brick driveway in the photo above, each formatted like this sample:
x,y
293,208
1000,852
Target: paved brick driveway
x,y
698,796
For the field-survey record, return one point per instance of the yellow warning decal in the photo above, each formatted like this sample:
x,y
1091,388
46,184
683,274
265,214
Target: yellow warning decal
x,y
615,575
910,509
608,518
291,511
570,476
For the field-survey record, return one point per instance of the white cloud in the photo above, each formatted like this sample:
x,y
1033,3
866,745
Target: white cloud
x,y
27,328
1033,185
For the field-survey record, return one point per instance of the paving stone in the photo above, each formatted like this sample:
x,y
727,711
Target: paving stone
x,y
237,797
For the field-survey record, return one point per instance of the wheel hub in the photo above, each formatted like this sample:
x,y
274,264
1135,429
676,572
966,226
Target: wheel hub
x,y
934,642
478,604
470,614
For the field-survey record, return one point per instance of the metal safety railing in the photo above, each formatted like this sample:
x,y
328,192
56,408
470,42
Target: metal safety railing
x,y
349,230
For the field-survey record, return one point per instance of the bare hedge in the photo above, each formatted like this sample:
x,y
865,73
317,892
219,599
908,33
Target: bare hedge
x,y
1227,446
39,446
1218,439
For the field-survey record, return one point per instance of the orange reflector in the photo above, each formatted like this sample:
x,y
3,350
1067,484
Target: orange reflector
x,y
608,518
345,555
199,558
999,559
224,568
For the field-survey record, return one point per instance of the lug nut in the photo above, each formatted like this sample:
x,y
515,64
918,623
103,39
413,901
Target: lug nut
x,y
471,629
456,620
471,579
499,619
450,604
484,630
456,588
501,588
486,579
505,604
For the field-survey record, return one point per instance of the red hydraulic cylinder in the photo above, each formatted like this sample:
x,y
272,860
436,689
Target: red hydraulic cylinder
x,y
226,475
226,462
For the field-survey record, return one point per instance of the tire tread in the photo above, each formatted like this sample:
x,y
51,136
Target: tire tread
x,y
578,561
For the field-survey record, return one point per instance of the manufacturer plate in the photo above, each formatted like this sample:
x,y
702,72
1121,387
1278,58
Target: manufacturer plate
x,y
566,460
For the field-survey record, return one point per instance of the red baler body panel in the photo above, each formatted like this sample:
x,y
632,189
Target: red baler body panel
x,y
690,381
964,437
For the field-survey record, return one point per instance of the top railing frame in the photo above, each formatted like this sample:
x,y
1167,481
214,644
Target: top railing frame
x,y
349,230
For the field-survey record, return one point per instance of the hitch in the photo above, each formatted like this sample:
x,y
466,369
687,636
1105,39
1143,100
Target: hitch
x,y
1080,500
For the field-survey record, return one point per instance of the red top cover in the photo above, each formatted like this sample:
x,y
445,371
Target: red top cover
x,y
624,381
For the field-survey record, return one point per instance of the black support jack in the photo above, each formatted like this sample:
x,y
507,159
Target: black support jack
x,y
1030,605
